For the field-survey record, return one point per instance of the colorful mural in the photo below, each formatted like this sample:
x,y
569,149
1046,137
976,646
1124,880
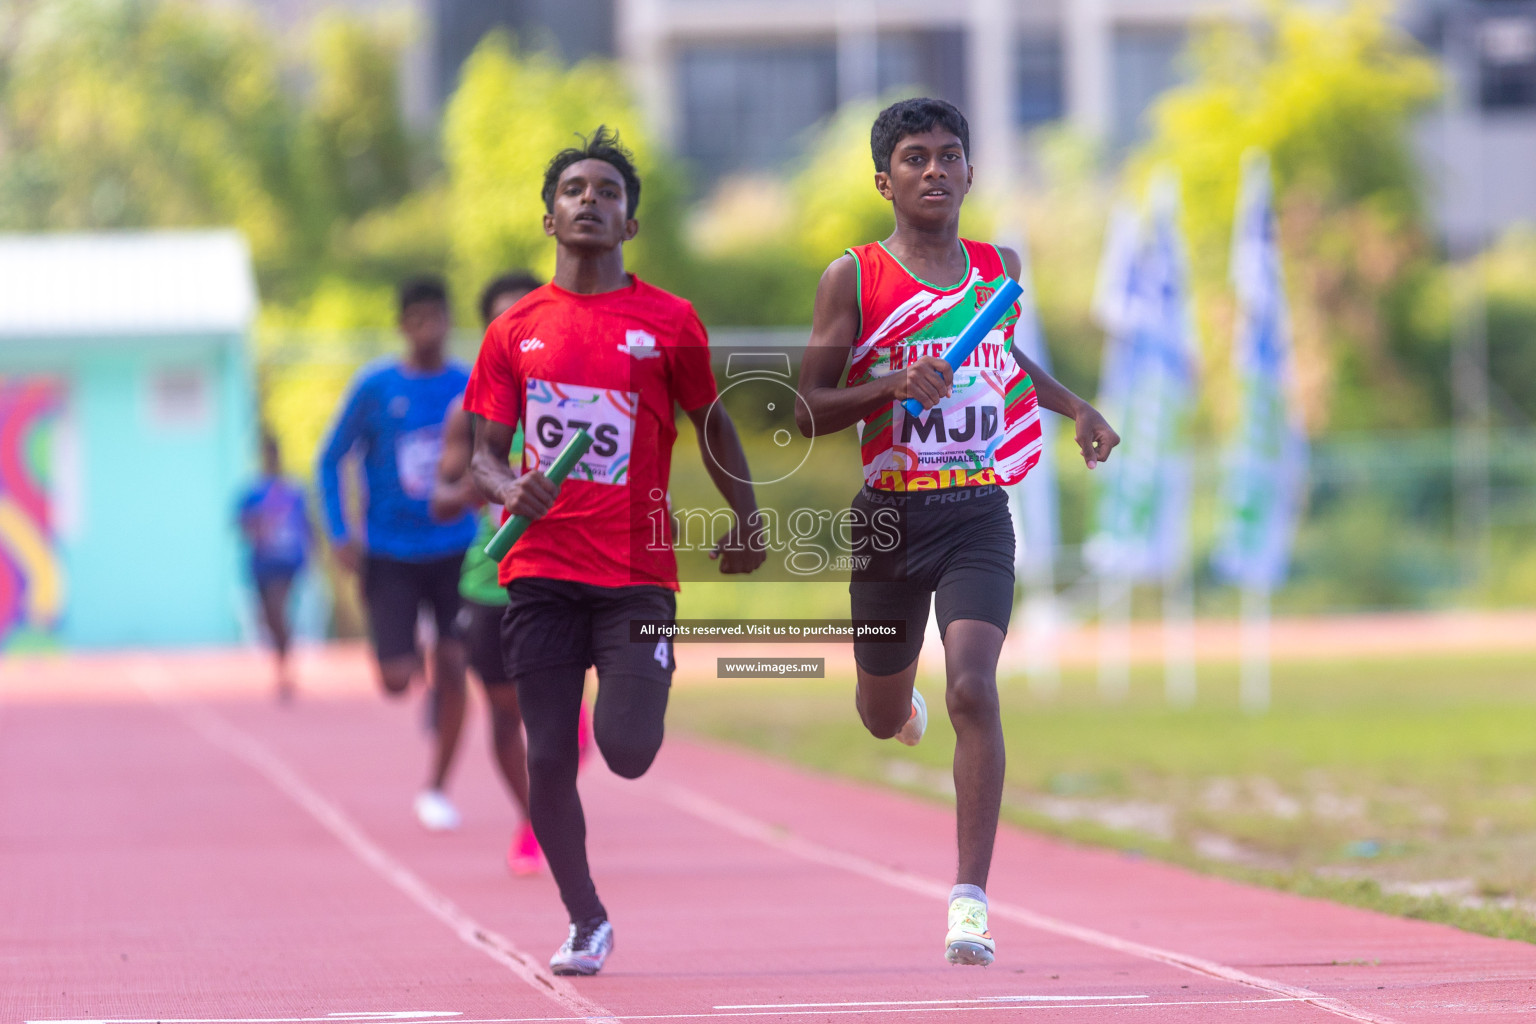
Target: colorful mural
x,y
31,575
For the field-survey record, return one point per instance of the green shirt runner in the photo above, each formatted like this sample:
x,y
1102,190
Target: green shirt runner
x,y
477,579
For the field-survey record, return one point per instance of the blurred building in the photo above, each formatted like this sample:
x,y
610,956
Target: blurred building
x,y
445,32
126,427
575,29
1479,150
734,85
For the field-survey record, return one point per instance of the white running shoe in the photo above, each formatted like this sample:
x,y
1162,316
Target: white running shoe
x,y
917,724
436,812
585,949
968,941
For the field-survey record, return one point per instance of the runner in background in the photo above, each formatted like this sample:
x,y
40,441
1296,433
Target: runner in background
x,y
484,600
274,518
600,349
407,561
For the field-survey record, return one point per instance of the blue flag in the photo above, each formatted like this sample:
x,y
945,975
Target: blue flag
x,y
1147,392
1265,470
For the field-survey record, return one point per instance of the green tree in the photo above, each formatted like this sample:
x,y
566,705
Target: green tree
x,y
1501,280
1331,95
129,113
762,242
164,113
1063,214
371,211
512,112
353,117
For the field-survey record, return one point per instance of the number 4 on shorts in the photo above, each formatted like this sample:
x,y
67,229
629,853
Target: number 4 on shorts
x,y
661,653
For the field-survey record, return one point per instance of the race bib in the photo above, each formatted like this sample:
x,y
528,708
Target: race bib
x,y
952,444
416,457
555,412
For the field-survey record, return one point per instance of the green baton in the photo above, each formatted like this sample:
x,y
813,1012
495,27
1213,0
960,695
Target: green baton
x,y
513,528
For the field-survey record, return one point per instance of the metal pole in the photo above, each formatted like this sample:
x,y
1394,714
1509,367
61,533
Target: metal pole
x,y
1253,685
1114,637
1472,408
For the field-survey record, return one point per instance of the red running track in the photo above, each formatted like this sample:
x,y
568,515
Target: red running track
x,y
166,855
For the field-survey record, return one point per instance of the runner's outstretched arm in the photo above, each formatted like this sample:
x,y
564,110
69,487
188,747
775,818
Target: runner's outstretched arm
x,y
719,444
1095,437
826,408
345,434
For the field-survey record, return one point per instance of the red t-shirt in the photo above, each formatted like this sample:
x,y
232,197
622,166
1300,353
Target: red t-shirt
x,y
613,363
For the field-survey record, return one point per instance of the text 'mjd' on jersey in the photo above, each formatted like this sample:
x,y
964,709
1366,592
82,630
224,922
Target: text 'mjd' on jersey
x,y
988,430
613,363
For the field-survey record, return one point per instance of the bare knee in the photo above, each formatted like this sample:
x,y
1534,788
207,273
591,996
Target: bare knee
x,y
449,661
972,696
884,718
395,675
506,725
449,685
883,725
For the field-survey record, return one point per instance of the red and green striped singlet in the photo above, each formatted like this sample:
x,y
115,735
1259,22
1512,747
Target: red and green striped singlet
x,y
988,431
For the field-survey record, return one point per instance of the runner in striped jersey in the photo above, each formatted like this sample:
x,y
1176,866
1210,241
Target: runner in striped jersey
x,y
932,516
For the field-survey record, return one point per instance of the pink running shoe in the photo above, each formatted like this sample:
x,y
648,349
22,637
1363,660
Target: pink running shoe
x,y
583,734
524,856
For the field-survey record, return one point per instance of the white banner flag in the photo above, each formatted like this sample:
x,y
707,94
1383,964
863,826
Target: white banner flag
x,y
1263,489
1147,392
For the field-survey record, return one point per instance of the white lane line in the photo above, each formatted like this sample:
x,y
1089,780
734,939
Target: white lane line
x,y
223,734
369,1016
932,1002
1013,1007
732,820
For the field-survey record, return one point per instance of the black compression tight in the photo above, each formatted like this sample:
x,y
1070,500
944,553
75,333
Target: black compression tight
x,y
627,725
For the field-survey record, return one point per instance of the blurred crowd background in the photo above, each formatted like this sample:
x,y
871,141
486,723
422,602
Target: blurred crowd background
x,y
354,143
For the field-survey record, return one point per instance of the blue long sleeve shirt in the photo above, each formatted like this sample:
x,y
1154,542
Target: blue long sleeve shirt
x,y
394,418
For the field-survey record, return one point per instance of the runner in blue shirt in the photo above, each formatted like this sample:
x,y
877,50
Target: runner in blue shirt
x,y
393,419
275,521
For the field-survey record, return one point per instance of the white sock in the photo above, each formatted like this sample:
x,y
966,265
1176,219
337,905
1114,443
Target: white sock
x,y
969,892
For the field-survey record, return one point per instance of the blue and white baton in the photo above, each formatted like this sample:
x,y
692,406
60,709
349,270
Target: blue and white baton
x,y
980,326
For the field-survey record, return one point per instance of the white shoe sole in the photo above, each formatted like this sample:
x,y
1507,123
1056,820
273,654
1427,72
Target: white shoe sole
x,y
437,815
969,953
580,965
912,730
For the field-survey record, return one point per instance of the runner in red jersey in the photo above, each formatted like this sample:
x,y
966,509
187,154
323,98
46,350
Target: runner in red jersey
x,y
599,349
890,309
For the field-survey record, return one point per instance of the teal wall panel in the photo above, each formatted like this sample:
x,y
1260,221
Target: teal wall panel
x,y
163,434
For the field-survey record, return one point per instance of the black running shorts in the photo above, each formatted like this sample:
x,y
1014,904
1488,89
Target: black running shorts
x,y
482,641
951,547
394,592
561,623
